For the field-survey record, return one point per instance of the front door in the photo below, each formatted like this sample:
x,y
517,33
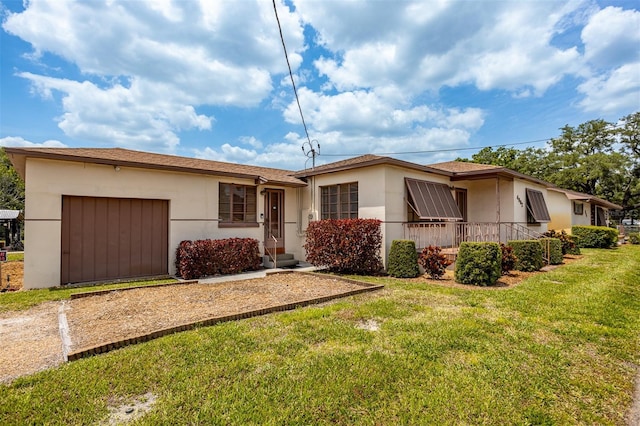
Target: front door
x,y
274,220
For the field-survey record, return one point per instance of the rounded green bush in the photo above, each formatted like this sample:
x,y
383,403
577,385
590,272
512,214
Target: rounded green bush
x,y
478,263
554,245
634,238
595,236
403,259
528,254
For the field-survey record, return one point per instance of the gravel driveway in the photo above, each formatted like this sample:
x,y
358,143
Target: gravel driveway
x,y
32,340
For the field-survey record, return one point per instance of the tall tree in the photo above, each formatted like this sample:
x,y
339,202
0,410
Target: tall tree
x,y
629,137
11,185
596,157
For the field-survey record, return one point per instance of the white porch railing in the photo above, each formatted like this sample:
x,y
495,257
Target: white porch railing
x,y
451,234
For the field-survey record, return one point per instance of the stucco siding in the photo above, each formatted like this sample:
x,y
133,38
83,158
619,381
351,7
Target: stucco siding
x,y
520,203
193,208
560,210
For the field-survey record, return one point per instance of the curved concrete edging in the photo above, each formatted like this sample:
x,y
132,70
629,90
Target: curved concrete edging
x,y
107,347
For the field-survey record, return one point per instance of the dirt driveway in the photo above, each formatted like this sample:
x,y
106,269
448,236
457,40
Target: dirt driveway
x,y
30,341
36,339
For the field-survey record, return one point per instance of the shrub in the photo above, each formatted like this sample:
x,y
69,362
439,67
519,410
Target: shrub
x,y
201,258
569,245
478,263
433,261
595,236
508,258
403,259
554,251
345,245
634,238
528,254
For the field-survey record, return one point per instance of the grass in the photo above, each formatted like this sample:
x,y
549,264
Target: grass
x,y
560,348
15,257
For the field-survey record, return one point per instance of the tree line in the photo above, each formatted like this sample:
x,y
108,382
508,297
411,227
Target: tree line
x,y
597,158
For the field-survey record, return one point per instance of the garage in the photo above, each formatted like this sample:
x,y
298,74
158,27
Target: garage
x,y
113,238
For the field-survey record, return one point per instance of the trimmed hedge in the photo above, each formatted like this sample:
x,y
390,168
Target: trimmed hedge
x,y
555,249
403,259
201,258
478,263
528,254
634,238
345,245
595,236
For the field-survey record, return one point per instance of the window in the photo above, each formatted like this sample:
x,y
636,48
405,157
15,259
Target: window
x,y
237,205
339,201
578,208
537,211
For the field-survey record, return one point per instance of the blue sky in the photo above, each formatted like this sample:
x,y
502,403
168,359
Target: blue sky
x,y
423,81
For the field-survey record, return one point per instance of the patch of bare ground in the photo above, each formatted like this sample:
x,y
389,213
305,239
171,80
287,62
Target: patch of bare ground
x,y
30,341
15,271
120,315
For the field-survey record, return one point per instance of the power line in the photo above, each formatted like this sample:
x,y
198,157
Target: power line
x,y
295,91
438,150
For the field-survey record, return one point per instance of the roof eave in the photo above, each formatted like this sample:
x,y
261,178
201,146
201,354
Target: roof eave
x,y
369,163
20,155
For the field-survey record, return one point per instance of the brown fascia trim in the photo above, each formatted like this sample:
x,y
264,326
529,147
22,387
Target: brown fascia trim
x,y
374,162
501,172
586,198
124,163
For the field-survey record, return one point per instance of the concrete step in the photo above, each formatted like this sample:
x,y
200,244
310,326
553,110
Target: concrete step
x,y
283,260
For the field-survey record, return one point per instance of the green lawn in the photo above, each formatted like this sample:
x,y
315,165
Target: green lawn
x,y
561,348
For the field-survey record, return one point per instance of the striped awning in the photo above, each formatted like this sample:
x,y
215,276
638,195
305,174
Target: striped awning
x,y
432,200
537,206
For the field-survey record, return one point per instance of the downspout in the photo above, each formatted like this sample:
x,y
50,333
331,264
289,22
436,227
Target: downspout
x,y
497,199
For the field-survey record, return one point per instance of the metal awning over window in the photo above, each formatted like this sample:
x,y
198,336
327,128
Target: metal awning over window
x,y
536,206
432,201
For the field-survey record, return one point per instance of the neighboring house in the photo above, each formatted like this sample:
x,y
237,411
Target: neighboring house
x,y
575,208
105,214
10,227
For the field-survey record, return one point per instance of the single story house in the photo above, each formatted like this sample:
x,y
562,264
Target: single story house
x,y
99,214
10,228
572,208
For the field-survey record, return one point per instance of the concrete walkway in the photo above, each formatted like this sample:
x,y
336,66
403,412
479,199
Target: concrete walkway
x,y
302,267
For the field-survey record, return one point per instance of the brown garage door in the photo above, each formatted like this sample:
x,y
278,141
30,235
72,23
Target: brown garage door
x,y
113,238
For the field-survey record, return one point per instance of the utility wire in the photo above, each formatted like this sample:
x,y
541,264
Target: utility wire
x,y
295,91
437,150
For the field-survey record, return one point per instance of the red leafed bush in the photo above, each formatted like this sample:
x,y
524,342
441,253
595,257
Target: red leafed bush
x,y
345,245
509,259
201,258
433,261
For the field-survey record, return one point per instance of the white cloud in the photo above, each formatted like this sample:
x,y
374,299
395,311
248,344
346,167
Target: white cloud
x,y
425,46
16,141
177,57
119,115
613,92
612,37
